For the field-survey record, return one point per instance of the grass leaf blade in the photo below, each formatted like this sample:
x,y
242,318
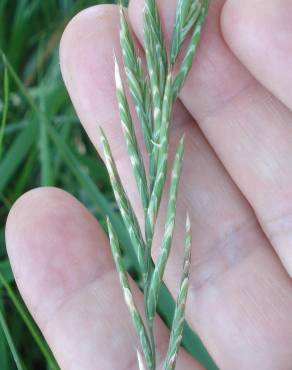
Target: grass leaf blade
x,y
16,153
10,342
29,323
45,157
5,108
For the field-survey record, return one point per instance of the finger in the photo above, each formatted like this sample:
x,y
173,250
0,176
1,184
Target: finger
x,y
230,247
259,33
248,128
64,270
261,38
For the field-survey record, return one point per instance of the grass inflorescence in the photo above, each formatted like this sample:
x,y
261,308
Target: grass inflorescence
x,y
154,90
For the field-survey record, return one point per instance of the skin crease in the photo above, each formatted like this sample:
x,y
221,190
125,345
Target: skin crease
x,y
237,173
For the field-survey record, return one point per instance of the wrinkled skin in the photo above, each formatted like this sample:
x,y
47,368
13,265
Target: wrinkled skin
x,y
236,109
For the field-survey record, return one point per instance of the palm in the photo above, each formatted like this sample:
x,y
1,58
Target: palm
x,y
236,177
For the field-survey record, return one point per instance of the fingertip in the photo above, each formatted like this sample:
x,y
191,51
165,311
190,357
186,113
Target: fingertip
x,y
87,64
257,21
233,21
79,28
259,33
24,211
54,245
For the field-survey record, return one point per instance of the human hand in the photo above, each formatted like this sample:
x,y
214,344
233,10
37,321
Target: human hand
x,y
236,185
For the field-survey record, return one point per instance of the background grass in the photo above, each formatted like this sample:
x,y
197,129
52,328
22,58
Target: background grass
x,y
42,143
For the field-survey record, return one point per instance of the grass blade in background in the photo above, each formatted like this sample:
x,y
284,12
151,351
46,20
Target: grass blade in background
x,y
4,349
45,157
17,153
30,324
6,272
4,109
14,352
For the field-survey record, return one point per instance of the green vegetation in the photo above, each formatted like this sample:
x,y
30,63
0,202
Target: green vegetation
x,y
42,143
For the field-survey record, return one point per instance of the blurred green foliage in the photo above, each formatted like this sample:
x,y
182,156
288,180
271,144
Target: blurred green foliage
x,y
42,143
